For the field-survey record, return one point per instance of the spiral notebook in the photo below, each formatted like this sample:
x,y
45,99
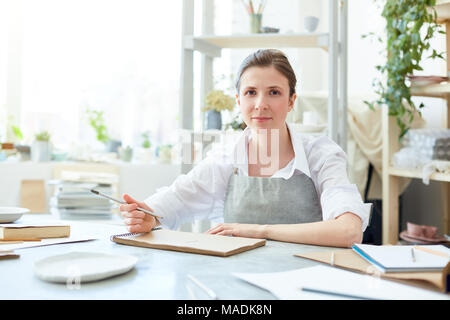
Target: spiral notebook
x,y
200,243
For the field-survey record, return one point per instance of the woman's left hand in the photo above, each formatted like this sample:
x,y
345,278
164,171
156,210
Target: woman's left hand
x,y
238,230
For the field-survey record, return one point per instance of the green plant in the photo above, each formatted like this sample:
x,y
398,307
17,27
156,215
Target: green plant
x,y
97,122
146,143
165,147
236,124
17,132
42,136
217,100
410,25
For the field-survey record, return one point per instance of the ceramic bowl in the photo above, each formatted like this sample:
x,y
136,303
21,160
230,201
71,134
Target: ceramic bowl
x,y
11,214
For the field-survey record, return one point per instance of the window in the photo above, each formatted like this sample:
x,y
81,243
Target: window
x,y
118,56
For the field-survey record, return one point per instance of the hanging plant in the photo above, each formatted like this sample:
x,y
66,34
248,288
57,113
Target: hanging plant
x,y
410,26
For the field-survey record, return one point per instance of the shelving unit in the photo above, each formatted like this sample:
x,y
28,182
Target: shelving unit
x,y
293,40
391,175
210,46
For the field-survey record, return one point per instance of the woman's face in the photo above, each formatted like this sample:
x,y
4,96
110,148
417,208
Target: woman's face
x,y
264,98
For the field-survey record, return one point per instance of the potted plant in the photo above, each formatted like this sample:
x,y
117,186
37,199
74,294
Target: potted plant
x,y
41,147
23,150
410,25
165,153
236,124
97,122
145,151
217,101
125,154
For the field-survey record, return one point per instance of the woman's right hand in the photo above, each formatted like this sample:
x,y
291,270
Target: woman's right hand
x,y
135,220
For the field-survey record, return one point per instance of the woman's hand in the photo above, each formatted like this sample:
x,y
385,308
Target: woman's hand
x,y
135,220
239,230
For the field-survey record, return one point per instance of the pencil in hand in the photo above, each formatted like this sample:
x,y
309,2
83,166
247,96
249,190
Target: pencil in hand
x,y
123,202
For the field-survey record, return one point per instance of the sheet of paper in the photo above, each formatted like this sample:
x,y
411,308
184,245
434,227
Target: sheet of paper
x,y
286,285
44,242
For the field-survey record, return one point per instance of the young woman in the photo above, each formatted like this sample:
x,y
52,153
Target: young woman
x,y
277,184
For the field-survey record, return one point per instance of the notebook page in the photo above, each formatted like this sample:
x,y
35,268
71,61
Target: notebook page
x,y
401,256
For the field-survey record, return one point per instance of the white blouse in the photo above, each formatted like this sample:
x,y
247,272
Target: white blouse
x,y
200,194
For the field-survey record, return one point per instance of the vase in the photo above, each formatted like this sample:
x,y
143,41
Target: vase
x,y
213,120
165,155
255,22
112,146
145,155
311,23
125,154
40,151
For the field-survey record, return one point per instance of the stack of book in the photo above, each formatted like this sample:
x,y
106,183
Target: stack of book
x,y
73,199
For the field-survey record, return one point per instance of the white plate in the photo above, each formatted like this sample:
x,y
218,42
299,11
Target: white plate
x,y
11,214
309,127
78,267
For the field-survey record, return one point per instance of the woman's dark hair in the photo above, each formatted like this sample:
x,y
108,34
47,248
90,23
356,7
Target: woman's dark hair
x,y
267,58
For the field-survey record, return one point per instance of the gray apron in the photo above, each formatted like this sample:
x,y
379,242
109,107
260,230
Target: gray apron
x,y
258,200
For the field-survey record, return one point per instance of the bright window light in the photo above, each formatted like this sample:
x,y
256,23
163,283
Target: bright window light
x,y
118,56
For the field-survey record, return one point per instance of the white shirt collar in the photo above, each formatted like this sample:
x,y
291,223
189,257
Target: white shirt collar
x,y
240,157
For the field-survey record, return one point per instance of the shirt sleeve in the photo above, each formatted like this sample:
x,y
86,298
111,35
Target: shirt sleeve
x,y
194,195
328,167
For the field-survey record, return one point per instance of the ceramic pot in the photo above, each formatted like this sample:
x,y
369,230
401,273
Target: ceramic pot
x,y
213,120
112,146
255,22
41,151
125,154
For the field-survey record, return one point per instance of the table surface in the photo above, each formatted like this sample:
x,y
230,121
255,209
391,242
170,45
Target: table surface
x,y
158,274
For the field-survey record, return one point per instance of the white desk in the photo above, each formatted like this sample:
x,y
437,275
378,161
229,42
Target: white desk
x,y
158,274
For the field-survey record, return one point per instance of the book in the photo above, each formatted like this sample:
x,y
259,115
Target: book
x,y
8,255
404,258
350,260
85,211
33,231
72,199
325,283
80,200
191,242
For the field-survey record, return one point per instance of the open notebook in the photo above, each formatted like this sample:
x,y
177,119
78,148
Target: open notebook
x,y
189,242
405,258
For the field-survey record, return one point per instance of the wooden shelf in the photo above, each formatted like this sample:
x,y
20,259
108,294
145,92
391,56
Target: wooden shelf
x,y
417,174
440,90
443,10
213,43
391,175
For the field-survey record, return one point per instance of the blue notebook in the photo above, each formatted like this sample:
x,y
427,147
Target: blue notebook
x,y
404,258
